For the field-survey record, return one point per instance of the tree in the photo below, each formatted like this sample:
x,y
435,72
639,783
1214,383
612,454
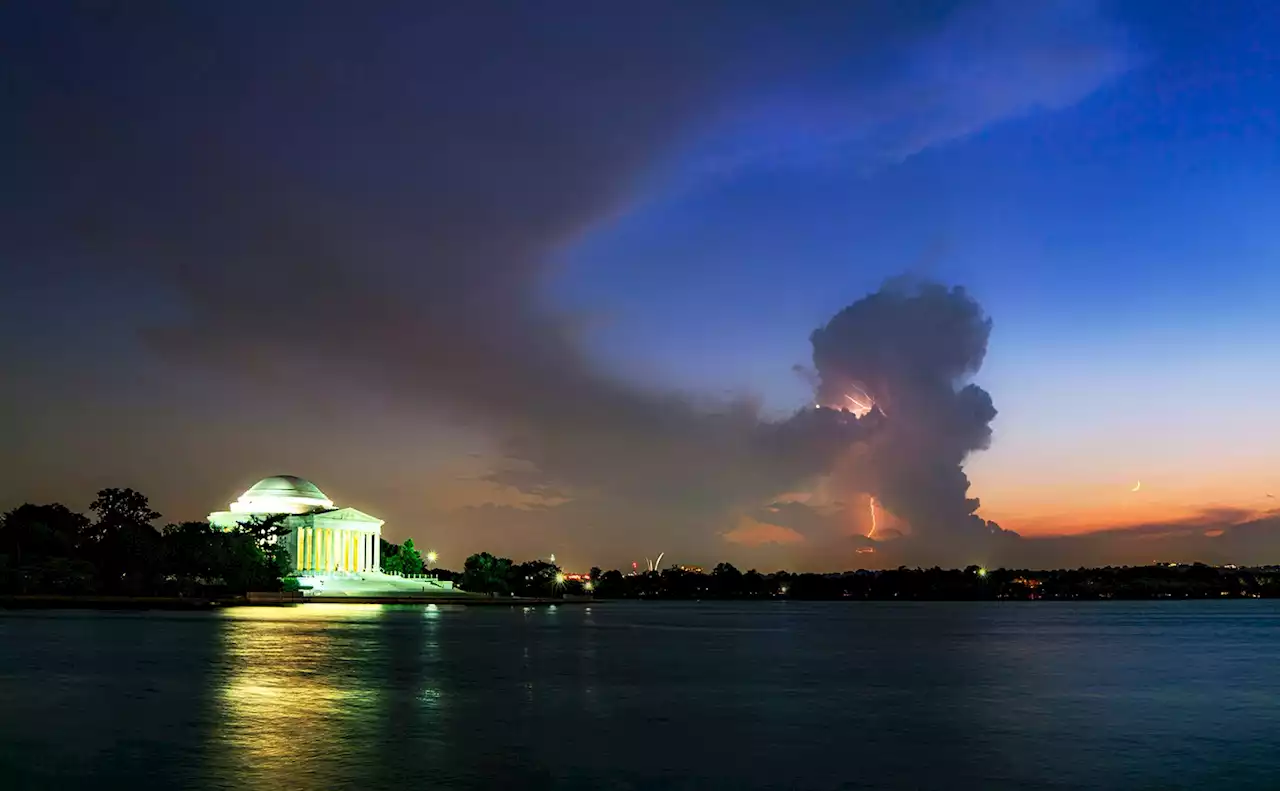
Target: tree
x,y
726,580
393,564
595,573
120,508
125,547
484,573
389,557
410,560
194,550
534,578
40,550
266,533
33,532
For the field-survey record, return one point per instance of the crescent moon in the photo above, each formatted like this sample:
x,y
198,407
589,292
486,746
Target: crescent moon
x,y
1136,486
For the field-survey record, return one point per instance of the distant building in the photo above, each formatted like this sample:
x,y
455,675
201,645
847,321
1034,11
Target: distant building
x,y
322,540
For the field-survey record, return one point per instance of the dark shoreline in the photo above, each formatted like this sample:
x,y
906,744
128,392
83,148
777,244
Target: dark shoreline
x,y
40,602
177,603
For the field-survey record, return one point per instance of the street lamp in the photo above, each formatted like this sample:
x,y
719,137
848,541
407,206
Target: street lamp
x,y
431,557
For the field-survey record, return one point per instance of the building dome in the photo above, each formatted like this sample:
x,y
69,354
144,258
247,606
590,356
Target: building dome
x,y
282,494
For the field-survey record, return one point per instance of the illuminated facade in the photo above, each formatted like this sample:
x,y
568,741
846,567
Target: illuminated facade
x,y
323,540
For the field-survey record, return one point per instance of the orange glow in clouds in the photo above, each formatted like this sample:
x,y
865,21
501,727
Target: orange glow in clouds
x,y
754,533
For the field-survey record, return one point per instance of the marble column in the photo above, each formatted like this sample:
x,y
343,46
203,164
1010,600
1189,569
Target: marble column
x,y
362,562
331,562
377,553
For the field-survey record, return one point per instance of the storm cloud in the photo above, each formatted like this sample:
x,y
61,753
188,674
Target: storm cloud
x,y
910,347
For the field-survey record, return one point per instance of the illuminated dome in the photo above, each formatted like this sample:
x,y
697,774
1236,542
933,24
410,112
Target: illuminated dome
x,y
282,494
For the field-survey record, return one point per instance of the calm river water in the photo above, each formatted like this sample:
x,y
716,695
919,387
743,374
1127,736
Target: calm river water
x,y
636,696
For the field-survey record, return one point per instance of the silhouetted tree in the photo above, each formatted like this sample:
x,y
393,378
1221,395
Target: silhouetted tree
x,y
33,532
611,585
484,573
266,533
40,550
726,580
120,508
124,546
534,578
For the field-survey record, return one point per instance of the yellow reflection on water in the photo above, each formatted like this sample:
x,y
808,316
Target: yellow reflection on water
x,y
289,701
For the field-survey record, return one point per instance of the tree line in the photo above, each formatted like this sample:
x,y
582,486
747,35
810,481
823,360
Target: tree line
x,y
1158,581
496,576
118,550
486,573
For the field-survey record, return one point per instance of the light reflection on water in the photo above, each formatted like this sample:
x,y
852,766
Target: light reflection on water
x,y
645,696
284,699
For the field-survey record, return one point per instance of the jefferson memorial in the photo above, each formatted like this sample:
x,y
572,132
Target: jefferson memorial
x,y
336,551
322,539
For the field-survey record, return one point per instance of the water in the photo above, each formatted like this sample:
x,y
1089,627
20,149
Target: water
x,y
636,696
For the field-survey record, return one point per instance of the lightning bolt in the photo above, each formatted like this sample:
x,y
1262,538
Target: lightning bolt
x,y
860,407
862,402
871,503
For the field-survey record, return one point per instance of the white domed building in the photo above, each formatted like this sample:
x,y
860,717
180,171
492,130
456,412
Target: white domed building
x,y
323,539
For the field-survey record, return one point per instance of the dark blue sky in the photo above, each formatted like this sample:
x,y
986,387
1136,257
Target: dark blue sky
x,y
454,264
1120,243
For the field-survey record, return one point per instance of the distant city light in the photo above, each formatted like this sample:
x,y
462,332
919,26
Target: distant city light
x,y
589,585
560,578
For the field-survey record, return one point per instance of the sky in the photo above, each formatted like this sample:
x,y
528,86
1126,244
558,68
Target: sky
x,y
596,280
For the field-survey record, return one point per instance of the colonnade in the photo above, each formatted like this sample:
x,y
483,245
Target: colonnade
x,y
326,550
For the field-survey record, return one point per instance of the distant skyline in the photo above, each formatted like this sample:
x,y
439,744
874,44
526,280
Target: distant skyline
x,y
535,282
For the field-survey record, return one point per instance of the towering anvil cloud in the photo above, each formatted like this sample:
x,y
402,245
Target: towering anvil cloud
x,y
910,347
